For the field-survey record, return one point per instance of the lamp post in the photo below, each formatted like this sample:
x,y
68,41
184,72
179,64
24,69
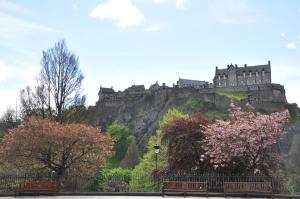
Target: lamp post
x,y
156,151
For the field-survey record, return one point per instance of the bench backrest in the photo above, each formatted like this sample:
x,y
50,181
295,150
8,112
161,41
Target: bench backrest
x,y
40,185
185,185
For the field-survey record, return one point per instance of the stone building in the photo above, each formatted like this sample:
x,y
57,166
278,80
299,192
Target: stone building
x,y
234,76
105,92
187,83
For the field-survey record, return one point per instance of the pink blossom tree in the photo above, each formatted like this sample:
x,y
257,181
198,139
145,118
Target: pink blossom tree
x,y
244,143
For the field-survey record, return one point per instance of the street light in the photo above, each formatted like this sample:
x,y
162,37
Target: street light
x,y
156,151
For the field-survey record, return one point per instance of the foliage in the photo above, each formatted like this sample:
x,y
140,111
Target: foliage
x,y
233,95
195,103
171,115
41,144
107,175
142,173
183,137
120,135
124,173
215,114
77,114
112,162
8,121
293,166
293,110
132,156
293,161
293,184
244,142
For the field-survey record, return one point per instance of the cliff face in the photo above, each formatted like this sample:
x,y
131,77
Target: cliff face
x,y
141,112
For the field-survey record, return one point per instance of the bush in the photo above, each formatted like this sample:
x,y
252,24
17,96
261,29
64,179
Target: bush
x,y
112,179
293,184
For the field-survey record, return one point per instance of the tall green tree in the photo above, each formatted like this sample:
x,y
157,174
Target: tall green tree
x,y
142,174
120,134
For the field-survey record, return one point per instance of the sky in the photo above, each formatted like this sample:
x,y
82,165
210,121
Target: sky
x,y
126,42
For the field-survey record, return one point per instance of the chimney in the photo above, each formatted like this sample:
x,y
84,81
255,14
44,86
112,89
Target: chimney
x,y
245,65
269,63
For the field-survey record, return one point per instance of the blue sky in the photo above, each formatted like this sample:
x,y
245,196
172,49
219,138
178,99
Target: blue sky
x,y
124,42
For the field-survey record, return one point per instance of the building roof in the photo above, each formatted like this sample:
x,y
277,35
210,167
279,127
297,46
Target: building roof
x,y
107,90
194,82
135,88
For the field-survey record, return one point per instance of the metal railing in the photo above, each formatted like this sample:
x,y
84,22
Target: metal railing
x,y
119,184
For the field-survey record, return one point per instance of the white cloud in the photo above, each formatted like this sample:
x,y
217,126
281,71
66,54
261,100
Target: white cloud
x,y
180,4
122,11
159,1
13,28
6,5
152,28
282,34
291,45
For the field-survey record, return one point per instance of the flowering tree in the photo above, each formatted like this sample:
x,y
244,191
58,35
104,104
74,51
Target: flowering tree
x,y
40,144
183,137
244,142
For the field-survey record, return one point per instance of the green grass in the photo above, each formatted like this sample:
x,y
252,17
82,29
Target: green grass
x,y
217,115
196,103
233,95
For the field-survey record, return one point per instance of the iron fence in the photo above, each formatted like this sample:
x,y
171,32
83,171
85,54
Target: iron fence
x,y
154,182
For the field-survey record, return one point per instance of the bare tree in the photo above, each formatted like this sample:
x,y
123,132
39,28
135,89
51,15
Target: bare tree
x,y
33,102
61,76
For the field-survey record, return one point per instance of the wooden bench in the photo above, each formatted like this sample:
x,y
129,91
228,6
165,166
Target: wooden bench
x,y
37,187
249,188
184,186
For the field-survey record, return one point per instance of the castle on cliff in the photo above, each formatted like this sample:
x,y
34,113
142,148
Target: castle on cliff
x,y
232,78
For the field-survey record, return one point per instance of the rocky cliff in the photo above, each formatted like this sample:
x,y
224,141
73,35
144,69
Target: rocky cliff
x,y
142,111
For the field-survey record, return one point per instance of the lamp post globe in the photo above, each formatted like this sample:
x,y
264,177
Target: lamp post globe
x,y
156,149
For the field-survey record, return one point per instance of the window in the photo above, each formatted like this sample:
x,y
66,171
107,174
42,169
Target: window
x,y
263,72
256,73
